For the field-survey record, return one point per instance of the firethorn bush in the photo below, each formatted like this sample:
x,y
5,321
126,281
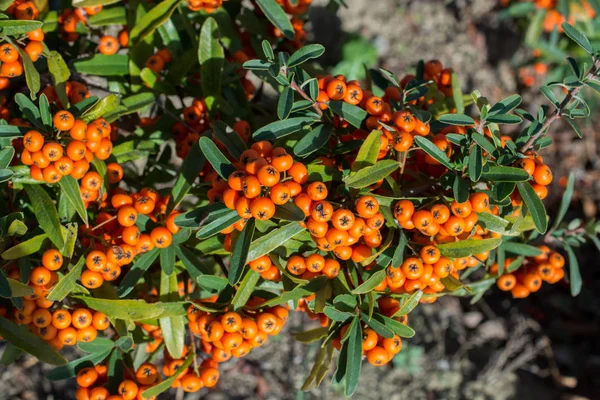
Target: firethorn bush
x,y
162,215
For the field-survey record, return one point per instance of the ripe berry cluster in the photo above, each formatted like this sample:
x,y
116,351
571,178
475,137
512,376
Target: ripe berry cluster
x,y
528,278
117,239
51,157
12,62
54,322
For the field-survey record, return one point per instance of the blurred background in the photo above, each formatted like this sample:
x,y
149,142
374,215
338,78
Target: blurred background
x,y
542,347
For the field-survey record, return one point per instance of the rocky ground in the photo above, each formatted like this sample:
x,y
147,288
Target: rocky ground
x,y
544,347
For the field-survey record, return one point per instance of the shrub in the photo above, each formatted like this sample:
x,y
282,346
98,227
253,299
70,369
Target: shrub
x,y
352,202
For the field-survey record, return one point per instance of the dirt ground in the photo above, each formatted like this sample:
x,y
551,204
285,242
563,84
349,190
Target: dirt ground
x,y
544,347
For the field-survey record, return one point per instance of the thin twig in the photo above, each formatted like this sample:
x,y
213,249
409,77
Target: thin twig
x,y
558,112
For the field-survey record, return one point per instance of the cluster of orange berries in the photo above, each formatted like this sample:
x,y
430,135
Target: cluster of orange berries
x,y
312,266
233,334
70,18
156,63
340,231
257,186
49,161
378,350
545,267
92,380
540,172
24,10
117,239
56,325
12,63
208,6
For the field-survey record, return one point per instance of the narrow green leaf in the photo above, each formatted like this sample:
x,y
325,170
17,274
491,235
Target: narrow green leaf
x,y
431,149
239,255
505,174
278,129
277,16
25,248
214,156
475,163
232,141
456,119
305,53
354,358
70,188
534,205
67,283
165,385
565,201
521,249
212,58
371,283
21,338
353,114
574,273
167,259
465,248
150,21
103,65
173,328
190,168
46,214
578,37
245,289
285,103
269,242
367,154
140,266
370,175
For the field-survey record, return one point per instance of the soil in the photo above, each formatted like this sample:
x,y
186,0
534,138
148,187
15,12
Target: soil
x,y
544,347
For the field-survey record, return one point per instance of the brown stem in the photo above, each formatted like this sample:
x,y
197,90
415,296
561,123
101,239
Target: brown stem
x,y
302,93
557,113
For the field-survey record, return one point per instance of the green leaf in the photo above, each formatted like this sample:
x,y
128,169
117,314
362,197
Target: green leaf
x,y
45,112
70,370
67,283
103,65
13,131
196,270
232,141
10,355
300,291
483,143
257,65
277,16
505,174
173,328
6,156
457,94
108,16
19,289
431,149
574,126
214,226
289,212
239,256
465,248
277,237
456,119
59,71
377,326
460,189
492,222
336,315
98,345
140,266
578,37
304,54
565,201
368,152
134,310
245,289
311,335
32,76
574,273
25,248
191,167
166,384
278,129
409,304
70,188
475,163
214,156
104,106
549,94
534,205
167,259
398,328
21,338
521,249
506,119
45,213
354,358
212,58
370,175
17,27
371,283
314,140
150,21
353,114
285,103
30,110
